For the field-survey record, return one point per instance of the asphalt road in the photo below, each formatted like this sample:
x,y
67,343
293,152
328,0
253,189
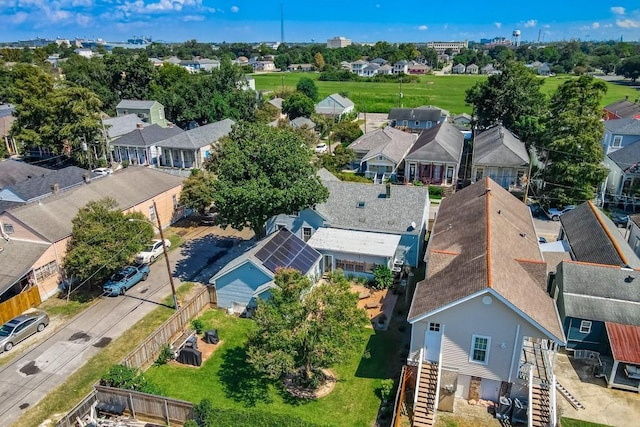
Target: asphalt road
x,y
27,379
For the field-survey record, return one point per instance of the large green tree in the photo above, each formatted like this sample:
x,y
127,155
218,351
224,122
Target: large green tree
x,y
298,105
573,154
261,172
301,330
197,191
104,239
511,98
630,68
308,87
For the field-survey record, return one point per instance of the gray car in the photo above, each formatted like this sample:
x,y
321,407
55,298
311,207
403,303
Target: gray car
x,y
21,328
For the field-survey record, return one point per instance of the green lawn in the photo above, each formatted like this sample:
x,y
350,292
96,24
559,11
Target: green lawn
x,y
570,422
227,380
446,92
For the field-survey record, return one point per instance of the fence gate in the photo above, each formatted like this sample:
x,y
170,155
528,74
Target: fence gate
x,y
18,304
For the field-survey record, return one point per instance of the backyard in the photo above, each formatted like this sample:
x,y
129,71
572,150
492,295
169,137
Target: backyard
x,y
446,92
228,381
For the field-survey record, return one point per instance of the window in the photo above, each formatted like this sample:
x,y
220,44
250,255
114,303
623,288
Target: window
x,y
585,326
152,214
280,227
296,213
417,123
617,141
434,327
306,233
480,349
46,270
8,228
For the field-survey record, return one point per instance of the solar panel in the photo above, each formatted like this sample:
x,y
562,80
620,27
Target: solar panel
x,y
267,250
287,250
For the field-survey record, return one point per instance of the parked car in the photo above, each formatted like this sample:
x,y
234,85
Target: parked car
x,y
152,251
554,214
103,171
542,239
620,219
321,148
536,210
124,279
21,327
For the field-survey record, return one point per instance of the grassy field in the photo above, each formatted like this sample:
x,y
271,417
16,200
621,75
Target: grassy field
x,y
570,422
446,92
226,379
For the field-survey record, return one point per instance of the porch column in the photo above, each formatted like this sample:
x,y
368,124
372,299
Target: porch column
x,y
196,163
613,373
182,157
171,157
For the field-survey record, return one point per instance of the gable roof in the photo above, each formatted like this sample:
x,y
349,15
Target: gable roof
x,y
500,253
594,238
51,218
276,102
623,108
600,292
626,157
497,146
441,143
135,104
147,136
120,125
421,114
334,104
199,137
628,126
300,122
17,257
14,171
41,186
407,204
388,141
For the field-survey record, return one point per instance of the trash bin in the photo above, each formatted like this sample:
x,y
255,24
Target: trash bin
x,y
211,336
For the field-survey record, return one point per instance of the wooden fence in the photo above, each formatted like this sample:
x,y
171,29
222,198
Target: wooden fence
x,y
78,411
148,350
18,304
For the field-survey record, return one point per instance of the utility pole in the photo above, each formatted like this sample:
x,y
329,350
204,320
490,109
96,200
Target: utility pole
x,y
526,188
400,95
166,257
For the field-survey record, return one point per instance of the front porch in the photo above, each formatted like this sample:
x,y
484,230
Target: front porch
x,y
430,173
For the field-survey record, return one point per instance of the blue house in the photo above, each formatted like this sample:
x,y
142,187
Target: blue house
x,y
370,224
619,134
416,119
250,276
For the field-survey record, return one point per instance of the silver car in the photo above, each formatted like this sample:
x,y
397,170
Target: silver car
x,y
21,328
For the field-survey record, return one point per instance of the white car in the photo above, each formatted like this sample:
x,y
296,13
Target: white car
x,y
151,252
321,148
103,171
554,214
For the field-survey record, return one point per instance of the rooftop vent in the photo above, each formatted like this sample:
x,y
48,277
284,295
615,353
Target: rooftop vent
x,y
629,279
360,205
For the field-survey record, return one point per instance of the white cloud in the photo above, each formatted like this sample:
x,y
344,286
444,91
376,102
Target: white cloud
x,y
193,18
618,10
85,3
18,18
235,9
498,24
83,20
595,25
530,23
546,26
627,23
423,28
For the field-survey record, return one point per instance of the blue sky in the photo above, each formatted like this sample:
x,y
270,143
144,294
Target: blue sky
x,y
305,20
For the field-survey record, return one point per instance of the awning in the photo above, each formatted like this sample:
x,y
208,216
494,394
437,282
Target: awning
x,y
624,341
355,242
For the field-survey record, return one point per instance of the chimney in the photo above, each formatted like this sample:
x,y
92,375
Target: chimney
x,y
86,178
138,125
388,190
501,130
55,188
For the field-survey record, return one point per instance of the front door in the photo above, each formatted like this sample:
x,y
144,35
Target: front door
x,y
412,172
449,175
328,263
432,340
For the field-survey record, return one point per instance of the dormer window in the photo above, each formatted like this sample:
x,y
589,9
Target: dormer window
x,y
617,141
360,205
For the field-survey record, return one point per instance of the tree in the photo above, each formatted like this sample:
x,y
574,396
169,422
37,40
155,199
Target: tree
x,y
630,68
298,105
301,330
347,132
336,162
507,98
197,191
308,87
574,130
318,60
104,239
261,172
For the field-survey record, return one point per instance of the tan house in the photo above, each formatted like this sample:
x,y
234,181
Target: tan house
x,y
36,234
500,155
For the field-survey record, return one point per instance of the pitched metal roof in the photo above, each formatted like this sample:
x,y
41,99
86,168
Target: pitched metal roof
x,y
629,126
14,171
600,292
442,143
135,104
388,141
623,108
497,146
118,126
199,137
355,242
594,238
625,342
147,136
16,258
51,217
500,253
41,186
365,207
416,114
333,104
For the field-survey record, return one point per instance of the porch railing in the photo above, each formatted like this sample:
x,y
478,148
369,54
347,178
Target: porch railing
x,y
420,357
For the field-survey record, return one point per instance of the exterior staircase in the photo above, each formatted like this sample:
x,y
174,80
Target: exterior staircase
x,y
541,405
570,397
424,410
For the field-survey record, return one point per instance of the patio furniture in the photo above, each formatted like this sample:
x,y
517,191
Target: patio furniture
x,y
520,409
211,337
372,305
505,406
632,371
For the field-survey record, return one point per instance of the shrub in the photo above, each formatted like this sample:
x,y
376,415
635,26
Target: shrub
x,y
165,355
385,389
209,416
382,277
125,163
435,191
198,325
120,376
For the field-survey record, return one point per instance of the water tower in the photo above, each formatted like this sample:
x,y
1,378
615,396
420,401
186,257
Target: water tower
x,y
515,39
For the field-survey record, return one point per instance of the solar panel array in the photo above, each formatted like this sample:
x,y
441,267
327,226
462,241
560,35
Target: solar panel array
x,y
286,250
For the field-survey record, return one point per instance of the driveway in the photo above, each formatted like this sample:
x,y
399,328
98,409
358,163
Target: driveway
x,y
27,379
373,121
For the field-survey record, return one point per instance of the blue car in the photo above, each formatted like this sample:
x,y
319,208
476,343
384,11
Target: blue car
x,y
124,279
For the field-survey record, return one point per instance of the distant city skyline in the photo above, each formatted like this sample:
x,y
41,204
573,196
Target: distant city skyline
x,y
362,21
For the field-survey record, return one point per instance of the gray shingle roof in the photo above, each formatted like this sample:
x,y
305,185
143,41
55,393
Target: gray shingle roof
x,y
199,137
441,143
51,218
497,146
300,122
14,171
16,258
147,136
594,238
392,143
602,293
627,156
629,126
416,114
394,215
6,110
499,252
334,103
41,186
135,104
623,108
118,126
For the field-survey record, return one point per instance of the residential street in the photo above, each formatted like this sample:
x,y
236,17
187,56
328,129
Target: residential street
x,y
28,378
